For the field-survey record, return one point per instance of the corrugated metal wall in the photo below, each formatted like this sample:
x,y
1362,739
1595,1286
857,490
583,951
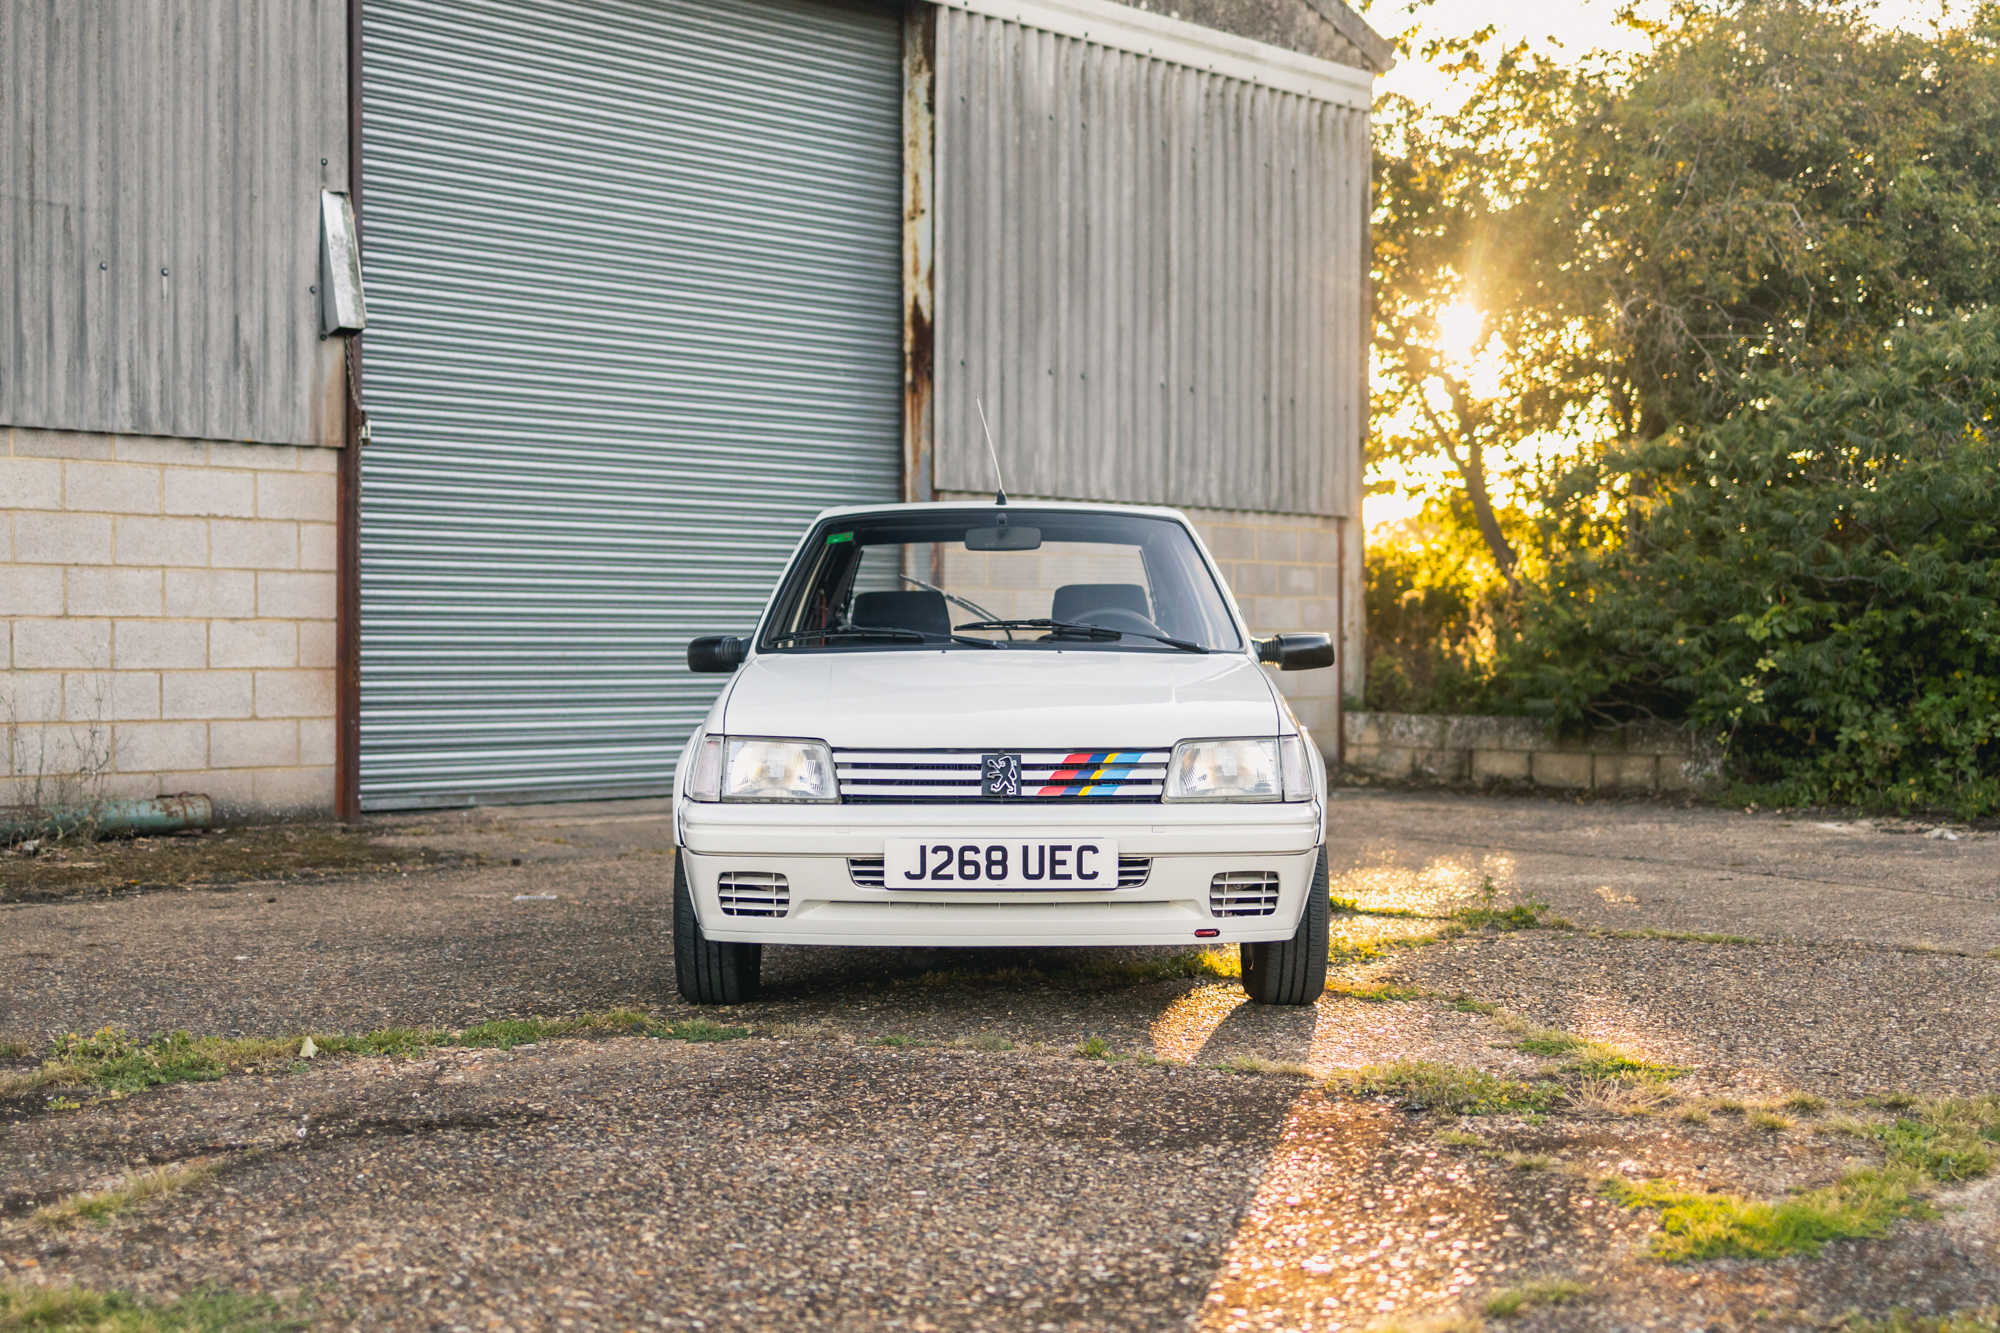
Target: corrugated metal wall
x,y
160,170
635,294
1152,276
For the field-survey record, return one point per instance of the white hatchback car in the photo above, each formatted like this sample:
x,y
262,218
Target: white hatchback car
x,y
1001,724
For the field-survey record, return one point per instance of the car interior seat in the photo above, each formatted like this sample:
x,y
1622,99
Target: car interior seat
x,y
1075,601
922,611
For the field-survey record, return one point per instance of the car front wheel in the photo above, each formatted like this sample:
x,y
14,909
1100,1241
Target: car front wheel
x,y
709,972
1292,971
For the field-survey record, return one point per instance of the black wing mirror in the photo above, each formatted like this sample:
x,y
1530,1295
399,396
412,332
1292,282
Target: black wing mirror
x,y
1296,652
717,652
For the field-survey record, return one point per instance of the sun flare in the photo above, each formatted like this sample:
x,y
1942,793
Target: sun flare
x,y
1460,325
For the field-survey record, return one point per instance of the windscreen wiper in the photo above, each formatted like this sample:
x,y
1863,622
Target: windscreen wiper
x,y
951,597
1059,628
877,632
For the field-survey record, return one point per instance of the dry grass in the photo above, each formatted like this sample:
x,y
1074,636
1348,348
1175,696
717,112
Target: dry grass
x,y
1543,1291
1257,1064
135,1188
1620,1096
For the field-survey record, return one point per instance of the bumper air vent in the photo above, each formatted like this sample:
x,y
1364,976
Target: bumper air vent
x,y
866,871
753,893
1243,893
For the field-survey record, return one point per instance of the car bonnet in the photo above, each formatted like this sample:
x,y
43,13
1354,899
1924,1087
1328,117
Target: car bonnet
x,y
974,699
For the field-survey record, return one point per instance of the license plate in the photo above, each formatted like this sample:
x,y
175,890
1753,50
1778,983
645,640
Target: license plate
x,y
1073,863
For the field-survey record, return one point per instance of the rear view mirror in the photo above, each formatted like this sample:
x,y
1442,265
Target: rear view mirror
x,y
1003,539
717,652
1296,652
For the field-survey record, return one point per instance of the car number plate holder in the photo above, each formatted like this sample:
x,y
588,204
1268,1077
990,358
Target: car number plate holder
x,y
1001,865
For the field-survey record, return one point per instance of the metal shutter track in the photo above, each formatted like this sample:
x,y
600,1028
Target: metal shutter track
x,y
635,281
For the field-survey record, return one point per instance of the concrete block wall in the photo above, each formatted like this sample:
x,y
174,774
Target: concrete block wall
x,y
1286,572
166,619
1512,750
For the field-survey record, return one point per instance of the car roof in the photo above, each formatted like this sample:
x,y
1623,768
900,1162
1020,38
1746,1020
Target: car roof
x,y
1068,506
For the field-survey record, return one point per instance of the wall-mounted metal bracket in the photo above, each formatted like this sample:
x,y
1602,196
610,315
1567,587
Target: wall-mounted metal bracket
x,y
342,304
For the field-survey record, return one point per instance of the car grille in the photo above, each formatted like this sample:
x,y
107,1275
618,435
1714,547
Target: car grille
x,y
948,776
1243,893
753,893
866,871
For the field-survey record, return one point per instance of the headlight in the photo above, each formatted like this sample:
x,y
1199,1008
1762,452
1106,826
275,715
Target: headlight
x,y
1226,770
753,768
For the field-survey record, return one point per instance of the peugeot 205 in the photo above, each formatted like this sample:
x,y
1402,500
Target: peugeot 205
x,y
992,724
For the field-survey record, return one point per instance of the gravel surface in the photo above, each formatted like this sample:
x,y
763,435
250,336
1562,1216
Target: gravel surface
x,y
811,1176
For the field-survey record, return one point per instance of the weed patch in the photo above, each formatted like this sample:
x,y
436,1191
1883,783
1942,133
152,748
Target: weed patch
x,y
1949,1139
78,1310
982,1041
1428,1086
113,1059
1546,1291
1257,1064
1724,1226
1378,993
1986,1320
137,1187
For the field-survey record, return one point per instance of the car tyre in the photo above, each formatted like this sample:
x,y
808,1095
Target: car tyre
x,y
1292,971
708,971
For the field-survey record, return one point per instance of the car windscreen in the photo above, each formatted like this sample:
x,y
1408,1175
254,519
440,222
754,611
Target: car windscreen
x,y
1014,578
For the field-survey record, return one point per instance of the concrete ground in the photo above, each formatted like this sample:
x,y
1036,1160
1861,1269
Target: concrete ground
x,y
908,1140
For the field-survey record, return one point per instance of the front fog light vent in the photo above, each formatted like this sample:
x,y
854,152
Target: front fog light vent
x,y
753,893
1243,893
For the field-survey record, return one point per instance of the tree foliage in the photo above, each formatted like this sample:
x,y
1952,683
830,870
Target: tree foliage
x,y
1742,280
1817,577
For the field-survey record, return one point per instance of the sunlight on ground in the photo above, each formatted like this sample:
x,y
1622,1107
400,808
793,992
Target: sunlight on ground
x,y
1188,1023
1443,883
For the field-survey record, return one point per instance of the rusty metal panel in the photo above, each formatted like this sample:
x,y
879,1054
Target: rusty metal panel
x,y
160,171
1151,274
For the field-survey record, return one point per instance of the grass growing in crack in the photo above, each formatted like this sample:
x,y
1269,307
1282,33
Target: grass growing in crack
x,y
79,1310
1948,1139
981,1041
1487,914
1528,1161
1581,1055
1457,1089
1725,1226
1681,936
136,1187
1257,1064
1544,1291
1945,1140
1986,1320
1377,993
113,1059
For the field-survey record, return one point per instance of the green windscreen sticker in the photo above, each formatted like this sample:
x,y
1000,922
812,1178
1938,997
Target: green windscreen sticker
x,y
838,537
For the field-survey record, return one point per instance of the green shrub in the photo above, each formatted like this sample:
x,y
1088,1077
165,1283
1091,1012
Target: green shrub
x,y
1817,578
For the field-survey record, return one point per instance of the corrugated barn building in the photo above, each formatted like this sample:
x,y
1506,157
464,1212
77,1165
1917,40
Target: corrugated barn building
x,y
645,284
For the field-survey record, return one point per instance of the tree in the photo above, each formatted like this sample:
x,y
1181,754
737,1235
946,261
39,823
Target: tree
x,y
1772,185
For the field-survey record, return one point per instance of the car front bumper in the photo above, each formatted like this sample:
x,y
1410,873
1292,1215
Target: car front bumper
x,y
813,847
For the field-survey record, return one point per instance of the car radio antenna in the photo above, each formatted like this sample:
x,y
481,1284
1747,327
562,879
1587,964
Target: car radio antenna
x,y
1000,483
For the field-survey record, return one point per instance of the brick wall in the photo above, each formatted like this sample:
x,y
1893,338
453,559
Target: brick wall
x,y
166,617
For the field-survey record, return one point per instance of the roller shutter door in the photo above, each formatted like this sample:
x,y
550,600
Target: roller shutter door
x,y
634,284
